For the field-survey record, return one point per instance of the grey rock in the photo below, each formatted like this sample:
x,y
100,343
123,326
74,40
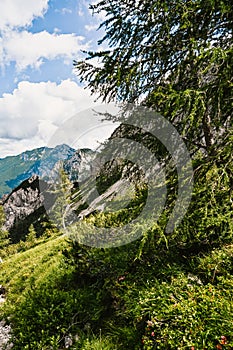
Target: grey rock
x,y
22,201
5,336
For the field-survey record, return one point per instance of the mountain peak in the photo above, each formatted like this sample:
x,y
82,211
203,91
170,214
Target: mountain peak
x,y
39,161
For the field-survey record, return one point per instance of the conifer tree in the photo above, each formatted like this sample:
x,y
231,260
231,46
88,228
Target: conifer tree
x,y
176,57
31,236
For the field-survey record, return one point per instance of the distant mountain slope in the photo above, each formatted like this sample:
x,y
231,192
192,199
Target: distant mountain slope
x,y
25,182
41,161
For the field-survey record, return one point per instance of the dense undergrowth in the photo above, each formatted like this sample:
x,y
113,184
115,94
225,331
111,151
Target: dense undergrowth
x,y
162,291
119,298
158,292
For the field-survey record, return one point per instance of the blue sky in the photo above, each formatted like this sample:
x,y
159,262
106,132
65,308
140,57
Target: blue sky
x,y
38,88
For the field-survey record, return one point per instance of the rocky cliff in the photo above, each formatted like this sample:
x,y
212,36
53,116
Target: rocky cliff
x,y
25,206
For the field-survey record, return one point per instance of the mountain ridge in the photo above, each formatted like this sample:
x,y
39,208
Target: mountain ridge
x,y
40,161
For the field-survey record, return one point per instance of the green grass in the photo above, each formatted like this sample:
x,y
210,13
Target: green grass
x,y
33,266
107,300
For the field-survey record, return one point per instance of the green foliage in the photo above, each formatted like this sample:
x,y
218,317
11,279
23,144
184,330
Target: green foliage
x,y
208,221
109,174
177,58
122,216
31,236
98,344
186,298
150,40
62,192
21,269
4,235
49,313
184,313
196,100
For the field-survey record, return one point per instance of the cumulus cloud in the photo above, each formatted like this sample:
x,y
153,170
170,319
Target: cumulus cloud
x,y
33,112
20,13
31,49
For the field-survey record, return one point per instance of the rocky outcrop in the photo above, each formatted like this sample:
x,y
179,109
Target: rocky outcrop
x,y
101,202
5,335
22,201
25,206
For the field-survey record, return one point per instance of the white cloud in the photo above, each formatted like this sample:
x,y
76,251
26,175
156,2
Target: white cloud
x,y
80,12
91,27
100,16
31,49
20,13
33,112
57,30
64,11
84,6
14,147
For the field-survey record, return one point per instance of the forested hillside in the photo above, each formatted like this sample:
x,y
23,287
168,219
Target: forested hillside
x,y
167,289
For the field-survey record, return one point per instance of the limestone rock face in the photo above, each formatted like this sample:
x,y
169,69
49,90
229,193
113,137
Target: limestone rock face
x,y
22,201
25,206
5,333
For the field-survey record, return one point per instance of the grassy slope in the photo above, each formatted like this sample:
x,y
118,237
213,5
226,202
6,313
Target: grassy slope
x,y
33,270
186,306
33,265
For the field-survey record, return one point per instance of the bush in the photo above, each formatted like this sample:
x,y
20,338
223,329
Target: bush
x,y
187,315
48,314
